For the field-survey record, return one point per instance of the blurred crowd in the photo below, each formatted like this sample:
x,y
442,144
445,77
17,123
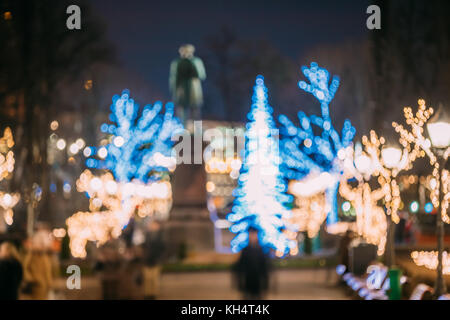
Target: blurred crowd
x,y
125,269
132,271
28,271
130,268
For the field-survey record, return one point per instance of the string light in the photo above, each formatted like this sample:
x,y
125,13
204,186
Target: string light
x,y
216,165
59,233
54,125
429,260
341,227
111,206
418,146
370,218
387,175
6,154
414,141
309,213
7,200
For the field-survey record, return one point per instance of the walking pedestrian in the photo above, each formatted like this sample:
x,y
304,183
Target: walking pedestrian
x,y
343,250
38,272
11,272
109,266
252,269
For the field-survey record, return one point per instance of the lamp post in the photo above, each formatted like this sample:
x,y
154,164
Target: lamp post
x,y
438,129
391,157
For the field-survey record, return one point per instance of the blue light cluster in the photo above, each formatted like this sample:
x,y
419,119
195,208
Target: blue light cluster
x,y
261,193
136,139
304,151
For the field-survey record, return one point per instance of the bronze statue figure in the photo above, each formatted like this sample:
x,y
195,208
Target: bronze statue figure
x,y
186,74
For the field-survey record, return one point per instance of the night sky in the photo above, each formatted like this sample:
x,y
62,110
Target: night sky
x,y
147,34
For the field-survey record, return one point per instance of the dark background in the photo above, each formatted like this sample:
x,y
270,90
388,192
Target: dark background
x,y
44,67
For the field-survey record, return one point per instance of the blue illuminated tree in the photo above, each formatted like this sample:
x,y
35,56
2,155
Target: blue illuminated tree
x,y
137,155
315,145
261,192
140,145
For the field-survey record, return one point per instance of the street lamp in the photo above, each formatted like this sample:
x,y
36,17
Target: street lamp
x,y
437,149
438,128
363,164
391,157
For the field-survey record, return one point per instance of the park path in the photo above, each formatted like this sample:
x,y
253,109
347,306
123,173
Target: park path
x,y
318,284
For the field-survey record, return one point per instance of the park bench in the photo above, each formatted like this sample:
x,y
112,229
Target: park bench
x,y
373,285
422,292
354,282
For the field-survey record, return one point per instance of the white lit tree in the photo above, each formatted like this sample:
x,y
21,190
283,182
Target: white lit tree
x,y
261,192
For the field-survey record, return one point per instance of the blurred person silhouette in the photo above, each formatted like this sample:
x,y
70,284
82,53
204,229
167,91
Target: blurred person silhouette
x,y
152,257
131,279
410,229
252,269
400,229
109,267
343,250
11,272
38,271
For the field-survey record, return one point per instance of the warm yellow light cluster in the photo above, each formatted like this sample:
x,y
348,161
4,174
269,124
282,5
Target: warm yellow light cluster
x,y
111,206
221,176
445,180
309,213
228,166
311,206
413,140
7,200
409,180
6,154
370,218
418,146
341,227
59,233
386,176
371,221
98,227
429,260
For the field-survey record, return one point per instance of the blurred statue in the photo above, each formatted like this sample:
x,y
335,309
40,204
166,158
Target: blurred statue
x,y
186,74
